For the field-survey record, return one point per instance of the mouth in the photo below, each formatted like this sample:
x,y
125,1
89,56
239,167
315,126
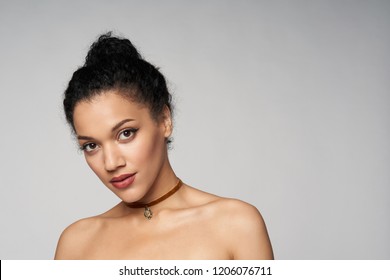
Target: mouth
x,y
123,181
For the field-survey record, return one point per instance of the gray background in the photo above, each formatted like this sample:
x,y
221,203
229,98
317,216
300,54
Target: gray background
x,y
283,104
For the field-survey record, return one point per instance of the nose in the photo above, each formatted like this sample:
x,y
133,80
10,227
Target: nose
x,y
113,158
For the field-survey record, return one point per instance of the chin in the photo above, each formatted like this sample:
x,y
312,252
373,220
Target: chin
x,y
129,196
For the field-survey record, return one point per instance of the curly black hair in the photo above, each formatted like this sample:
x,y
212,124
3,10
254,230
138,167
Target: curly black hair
x,y
113,63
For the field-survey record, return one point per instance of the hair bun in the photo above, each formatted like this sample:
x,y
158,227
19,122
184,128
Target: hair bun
x,y
111,50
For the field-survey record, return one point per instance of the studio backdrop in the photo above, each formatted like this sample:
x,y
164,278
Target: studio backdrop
x,y
283,104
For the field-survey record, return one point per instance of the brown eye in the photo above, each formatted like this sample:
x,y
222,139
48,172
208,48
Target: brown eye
x,y
89,147
126,134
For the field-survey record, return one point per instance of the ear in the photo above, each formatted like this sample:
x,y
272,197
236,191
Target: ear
x,y
167,122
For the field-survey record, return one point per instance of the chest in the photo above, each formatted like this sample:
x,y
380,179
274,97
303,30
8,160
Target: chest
x,y
180,240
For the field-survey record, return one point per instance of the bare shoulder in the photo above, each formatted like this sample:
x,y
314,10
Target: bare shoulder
x,y
244,229
228,209
238,214
236,223
75,238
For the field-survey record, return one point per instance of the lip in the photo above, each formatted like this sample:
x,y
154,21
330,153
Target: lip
x,y
123,181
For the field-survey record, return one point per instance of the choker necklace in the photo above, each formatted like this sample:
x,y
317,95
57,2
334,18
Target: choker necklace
x,y
148,212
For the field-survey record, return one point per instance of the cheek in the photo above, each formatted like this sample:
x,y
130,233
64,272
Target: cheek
x,y
147,150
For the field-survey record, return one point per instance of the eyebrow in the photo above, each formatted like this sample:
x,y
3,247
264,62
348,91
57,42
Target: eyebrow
x,y
115,127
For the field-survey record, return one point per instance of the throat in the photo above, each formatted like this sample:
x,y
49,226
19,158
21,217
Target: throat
x,y
148,213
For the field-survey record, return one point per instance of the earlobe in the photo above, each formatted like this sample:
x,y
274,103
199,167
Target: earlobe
x,y
167,122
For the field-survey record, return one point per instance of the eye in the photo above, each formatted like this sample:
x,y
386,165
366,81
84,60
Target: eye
x,y
127,134
89,147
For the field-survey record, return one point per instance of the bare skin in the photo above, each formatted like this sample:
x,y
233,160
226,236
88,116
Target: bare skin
x,y
190,224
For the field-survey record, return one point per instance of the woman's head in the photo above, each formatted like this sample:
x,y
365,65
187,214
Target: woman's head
x,y
122,143
113,63
120,111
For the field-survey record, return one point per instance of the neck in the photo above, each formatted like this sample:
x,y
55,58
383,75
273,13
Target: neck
x,y
162,186
158,200
163,183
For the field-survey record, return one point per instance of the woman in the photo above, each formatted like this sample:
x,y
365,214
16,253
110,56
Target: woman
x,y
119,108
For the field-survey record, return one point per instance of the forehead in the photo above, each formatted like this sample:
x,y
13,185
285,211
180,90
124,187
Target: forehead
x,y
105,111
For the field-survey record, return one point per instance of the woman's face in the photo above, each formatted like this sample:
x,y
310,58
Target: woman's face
x,y
122,144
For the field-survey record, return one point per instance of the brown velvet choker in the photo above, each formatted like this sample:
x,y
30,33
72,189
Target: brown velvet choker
x,y
148,212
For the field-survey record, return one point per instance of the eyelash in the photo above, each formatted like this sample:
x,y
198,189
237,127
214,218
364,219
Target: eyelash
x,y
84,147
131,130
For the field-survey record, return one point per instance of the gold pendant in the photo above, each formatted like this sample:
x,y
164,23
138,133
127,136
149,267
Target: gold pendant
x,y
148,213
